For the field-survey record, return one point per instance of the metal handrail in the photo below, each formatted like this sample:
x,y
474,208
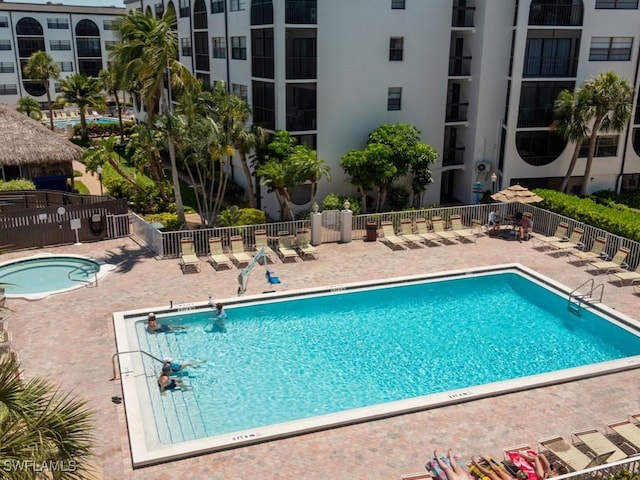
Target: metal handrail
x,y
113,360
580,297
95,276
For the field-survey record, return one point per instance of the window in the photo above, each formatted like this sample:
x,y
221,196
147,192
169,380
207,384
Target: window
x,y
159,8
239,48
185,9
109,44
107,24
617,4
57,87
217,6
57,45
237,5
397,5
396,49
394,98
4,22
58,23
240,90
6,67
66,66
610,49
264,101
8,89
219,47
606,146
5,44
185,47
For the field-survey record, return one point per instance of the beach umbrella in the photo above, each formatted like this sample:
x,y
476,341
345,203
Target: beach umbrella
x,y
516,193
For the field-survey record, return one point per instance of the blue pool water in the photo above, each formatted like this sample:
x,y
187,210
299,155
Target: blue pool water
x,y
64,123
299,358
39,275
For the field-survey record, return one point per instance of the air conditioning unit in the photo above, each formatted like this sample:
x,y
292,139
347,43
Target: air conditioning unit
x,y
483,166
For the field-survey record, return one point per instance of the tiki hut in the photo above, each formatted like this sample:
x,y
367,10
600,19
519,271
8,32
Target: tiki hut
x,y
30,150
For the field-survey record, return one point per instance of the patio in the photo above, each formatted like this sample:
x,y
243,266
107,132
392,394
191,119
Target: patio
x,y
69,339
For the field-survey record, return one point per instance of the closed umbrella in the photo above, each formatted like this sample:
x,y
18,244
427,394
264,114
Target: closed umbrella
x,y
516,193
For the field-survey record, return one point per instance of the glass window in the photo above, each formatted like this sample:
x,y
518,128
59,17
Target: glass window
x,y
237,5
57,45
159,8
617,4
7,67
606,146
394,98
217,6
185,46
240,90
239,48
397,4
185,9
108,24
8,89
66,66
610,49
87,28
4,22
58,23
264,112
5,44
396,49
219,47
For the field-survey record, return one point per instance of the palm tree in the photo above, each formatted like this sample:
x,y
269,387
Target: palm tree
x,y
84,92
30,107
105,152
110,79
41,67
41,424
609,106
571,124
148,51
311,168
279,176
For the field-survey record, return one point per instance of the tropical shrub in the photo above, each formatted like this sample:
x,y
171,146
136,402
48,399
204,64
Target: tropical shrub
x,y
399,197
169,220
630,199
106,129
334,201
15,185
234,216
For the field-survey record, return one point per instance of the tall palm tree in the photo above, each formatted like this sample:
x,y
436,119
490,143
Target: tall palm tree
x,y
84,92
105,152
110,79
311,168
41,67
571,124
148,52
609,107
30,107
43,425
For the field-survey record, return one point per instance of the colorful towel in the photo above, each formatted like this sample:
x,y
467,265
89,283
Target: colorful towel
x,y
522,464
477,473
434,467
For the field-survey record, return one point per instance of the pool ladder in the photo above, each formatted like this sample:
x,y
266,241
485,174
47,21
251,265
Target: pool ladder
x,y
87,282
576,298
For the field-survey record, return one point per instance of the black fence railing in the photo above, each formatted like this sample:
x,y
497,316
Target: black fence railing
x,y
459,66
463,16
560,15
456,112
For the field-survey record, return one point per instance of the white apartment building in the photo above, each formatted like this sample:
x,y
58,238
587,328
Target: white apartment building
x,y
478,78
75,37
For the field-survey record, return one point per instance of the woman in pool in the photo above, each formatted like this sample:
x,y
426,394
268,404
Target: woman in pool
x,y
154,327
167,383
220,317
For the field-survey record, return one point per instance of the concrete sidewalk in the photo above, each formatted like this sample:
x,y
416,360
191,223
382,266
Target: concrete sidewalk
x,y
90,180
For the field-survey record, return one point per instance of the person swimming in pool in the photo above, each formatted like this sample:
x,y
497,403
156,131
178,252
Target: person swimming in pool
x,y
154,327
167,383
220,317
170,366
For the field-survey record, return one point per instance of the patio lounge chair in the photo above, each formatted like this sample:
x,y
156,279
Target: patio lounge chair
x,y
438,228
285,247
238,254
424,233
542,241
597,251
617,263
463,233
633,277
574,241
216,254
406,232
303,245
570,455
260,239
390,238
599,444
188,257
628,432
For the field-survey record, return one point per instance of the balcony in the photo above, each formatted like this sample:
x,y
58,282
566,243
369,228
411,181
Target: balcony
x,y
550,67
535,117
463,16
459,66
456,112
453,156
301,68
301,12
300,120
549,15
262,67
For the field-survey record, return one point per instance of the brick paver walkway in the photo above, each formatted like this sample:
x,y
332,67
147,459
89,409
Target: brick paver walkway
x,y
69,339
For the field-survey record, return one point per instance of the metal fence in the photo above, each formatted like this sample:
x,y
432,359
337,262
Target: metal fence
x,y
630,465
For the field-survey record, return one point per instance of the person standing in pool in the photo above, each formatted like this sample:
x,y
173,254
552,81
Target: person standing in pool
x,y
167,383
220,316
154,327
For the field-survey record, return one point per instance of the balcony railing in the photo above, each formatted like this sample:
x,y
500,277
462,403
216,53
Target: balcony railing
x,y
453,156
564,15
301,120
301,68
456,112
535,117
459,66
463,16
262,67
550,66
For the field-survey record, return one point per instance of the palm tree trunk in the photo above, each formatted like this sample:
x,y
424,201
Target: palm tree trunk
x,y
592,150
115,95
572,166
247,176
46,86
83,124
363,195
176,179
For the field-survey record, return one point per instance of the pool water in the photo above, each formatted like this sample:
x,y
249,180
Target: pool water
x,y
101,120
287,360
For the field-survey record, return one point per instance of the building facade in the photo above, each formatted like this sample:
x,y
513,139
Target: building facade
x,y
76,38
478,78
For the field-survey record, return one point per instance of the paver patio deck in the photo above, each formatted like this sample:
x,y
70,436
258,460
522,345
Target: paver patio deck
x,y
69,339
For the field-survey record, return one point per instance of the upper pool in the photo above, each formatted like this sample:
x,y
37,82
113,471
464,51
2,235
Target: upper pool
x,y
326,357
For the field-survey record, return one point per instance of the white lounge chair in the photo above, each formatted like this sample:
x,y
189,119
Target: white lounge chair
x,y
188,257
597,251
631,276
217,257
599,444
303,245
438,228
285,247
571,456
406,232
390,238
463,233
423,232
260,239
617,263
238,254
574,241
543,241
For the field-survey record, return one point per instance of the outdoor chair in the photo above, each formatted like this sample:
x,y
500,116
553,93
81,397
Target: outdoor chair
x,y
542,241
406,232
423,232
628,431
438,228
217,257
188,257
571,456
631,276
599,444
463,233
303,245
617,263
285,247
260,239
390,238
597,251
238,254
574,241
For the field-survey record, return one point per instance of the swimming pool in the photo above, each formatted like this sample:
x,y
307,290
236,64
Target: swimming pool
x,y
312,360
39,276
99,120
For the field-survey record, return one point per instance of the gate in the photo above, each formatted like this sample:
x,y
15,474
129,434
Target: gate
x,y
330,226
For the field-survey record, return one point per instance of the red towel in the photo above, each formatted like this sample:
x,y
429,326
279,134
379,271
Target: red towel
x,y
522,464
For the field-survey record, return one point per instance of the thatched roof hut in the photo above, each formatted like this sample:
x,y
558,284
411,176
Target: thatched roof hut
x,y
30,150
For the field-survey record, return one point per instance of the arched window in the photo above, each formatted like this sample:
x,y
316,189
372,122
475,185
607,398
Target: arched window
x,y
87,28
200,15
88,48
261,12
29,26
539,148
556,12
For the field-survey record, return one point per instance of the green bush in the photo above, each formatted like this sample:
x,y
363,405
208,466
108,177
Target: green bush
x,y
15,185
630,199
334,201
80,188
168,220
399,197
105,129
234,217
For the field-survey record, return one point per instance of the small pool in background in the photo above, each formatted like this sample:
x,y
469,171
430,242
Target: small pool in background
x,y
326,357
42,275
73,122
